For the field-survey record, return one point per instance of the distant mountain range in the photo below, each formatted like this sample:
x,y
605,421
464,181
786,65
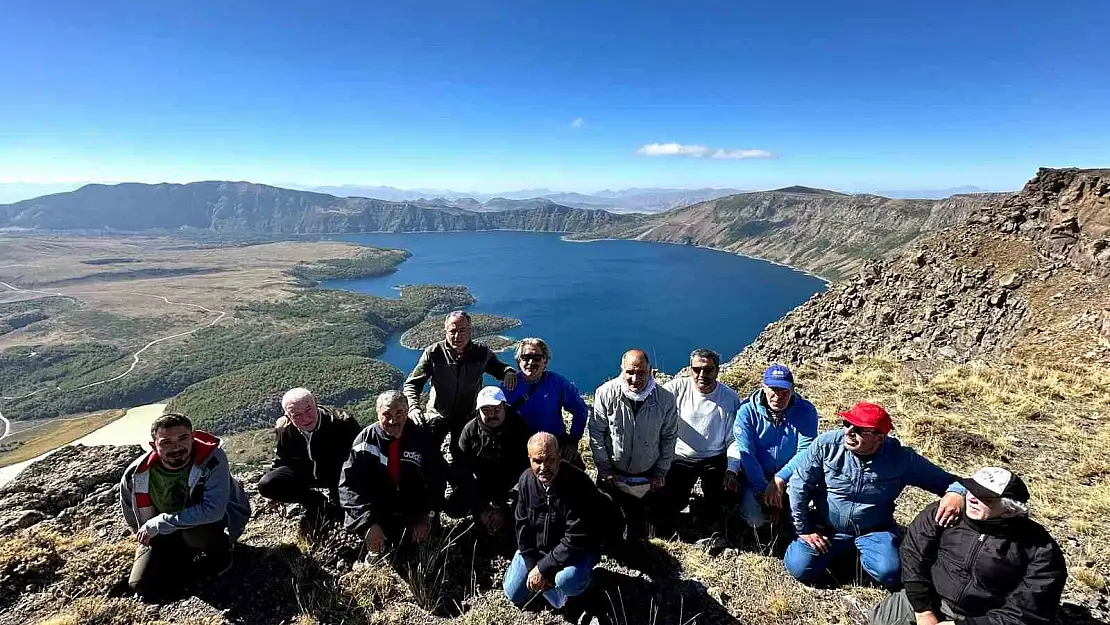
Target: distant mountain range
x,y
827,232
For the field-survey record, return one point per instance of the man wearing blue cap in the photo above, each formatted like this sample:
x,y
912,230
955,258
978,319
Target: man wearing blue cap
x,y
773,426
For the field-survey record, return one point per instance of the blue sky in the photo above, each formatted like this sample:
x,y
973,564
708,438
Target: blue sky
x,y
485,95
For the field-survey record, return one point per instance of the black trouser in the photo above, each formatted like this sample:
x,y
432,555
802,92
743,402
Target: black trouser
x,y
164,565
638,511
285,485
684,474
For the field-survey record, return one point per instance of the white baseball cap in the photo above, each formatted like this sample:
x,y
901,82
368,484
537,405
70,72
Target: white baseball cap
x,y
491,396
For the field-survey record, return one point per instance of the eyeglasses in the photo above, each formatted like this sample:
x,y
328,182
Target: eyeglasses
x,y
531,357
852,428
700,370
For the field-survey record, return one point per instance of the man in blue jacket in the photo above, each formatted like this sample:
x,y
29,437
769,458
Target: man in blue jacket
x,y
773,427
540,397
852,476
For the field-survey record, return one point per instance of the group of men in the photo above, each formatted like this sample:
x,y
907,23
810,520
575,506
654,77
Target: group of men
x,y
515,468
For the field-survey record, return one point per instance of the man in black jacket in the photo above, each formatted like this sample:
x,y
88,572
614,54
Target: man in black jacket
x,y
455,367
391,486
312,444
995,566
560,517
493,451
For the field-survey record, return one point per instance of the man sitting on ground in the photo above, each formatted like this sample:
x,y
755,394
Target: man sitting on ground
x,y
706,411
773,427
541,396
560,517
312,444
633,433
182,502
391,486
994,566
853,476
492,454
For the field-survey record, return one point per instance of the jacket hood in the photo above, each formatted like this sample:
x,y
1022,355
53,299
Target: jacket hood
x,y
204,445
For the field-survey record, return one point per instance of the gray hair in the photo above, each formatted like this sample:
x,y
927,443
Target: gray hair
x,y
295,396
707,354
454,314
539,344
390,399
1012,508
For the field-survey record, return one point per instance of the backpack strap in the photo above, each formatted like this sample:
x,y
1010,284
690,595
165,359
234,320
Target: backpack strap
x,y
523,399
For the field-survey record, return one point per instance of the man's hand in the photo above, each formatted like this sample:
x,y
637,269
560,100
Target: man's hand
x,y
731,481
375,539
657,483
926,618
819,543
948,512
772,497
607,477
510,380
144,537
416,416
492,519
422,530
536,581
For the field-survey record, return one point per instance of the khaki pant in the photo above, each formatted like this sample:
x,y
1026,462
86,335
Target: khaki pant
x,y
897,610
166,564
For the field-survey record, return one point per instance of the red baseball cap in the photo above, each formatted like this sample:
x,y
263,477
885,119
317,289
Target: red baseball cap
x,y
867,415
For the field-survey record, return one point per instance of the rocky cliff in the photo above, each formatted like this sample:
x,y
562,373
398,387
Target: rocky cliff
x,y
1023,273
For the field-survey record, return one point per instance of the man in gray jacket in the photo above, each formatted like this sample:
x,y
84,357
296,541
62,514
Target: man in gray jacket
x,y
633,432
181,501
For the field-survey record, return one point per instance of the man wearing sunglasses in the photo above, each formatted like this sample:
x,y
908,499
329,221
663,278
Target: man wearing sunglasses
x,y
853,476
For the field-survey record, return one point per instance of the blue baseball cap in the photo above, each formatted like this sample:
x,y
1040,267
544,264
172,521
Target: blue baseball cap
x,y
778,376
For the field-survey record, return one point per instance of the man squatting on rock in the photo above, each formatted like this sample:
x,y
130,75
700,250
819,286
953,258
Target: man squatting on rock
x,y
181,501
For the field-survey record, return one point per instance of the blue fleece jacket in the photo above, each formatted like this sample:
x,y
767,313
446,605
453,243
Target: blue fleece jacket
x,y
855,495
761,448
547,397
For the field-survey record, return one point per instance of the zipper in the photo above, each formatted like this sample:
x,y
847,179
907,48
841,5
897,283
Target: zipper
x,y
546,516
968,564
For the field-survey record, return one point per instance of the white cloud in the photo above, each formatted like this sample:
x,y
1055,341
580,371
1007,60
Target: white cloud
x,y
699,151
578,122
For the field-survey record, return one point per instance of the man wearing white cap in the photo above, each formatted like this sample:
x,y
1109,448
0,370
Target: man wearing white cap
x,y
994,566
493,452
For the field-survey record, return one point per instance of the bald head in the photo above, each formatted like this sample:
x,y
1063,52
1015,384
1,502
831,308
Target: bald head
x,y
635,355
543,456
635,370
299,406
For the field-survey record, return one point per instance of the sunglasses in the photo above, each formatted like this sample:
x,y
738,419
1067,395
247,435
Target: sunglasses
x,y
852,428
531,357
700,370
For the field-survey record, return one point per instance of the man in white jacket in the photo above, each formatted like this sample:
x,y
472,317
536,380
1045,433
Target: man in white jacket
x,y
181,501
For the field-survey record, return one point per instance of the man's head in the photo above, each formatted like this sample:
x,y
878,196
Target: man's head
x,y
994,493
543,454
393,412
172,438
778,387
491,406
457,329
635,370
865,428
533,355
300,407
705,364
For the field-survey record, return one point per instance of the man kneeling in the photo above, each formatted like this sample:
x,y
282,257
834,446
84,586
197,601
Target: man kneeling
x,y
559,516
995,566
182,502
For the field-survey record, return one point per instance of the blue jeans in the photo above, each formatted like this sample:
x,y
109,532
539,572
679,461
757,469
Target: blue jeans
x,y
750,508
570,582
878,553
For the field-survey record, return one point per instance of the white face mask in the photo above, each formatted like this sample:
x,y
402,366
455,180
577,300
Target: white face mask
x,y
642,395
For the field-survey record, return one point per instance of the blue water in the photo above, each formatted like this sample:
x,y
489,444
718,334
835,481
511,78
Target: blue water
x,y
592,301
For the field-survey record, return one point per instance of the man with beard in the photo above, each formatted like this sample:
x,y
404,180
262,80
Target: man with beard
x,y
559,521
773,427
542,396
633,433
181,501
312,444
853,476
455,367
994,566
391,487
492,454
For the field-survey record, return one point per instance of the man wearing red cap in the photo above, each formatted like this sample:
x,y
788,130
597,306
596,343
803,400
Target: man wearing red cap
x,y
852,476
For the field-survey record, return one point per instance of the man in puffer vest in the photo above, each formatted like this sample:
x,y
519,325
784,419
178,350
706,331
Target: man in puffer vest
x,y
181,502
995,566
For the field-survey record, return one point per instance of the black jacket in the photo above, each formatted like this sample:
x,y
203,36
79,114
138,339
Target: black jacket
x,y
331,444
1006,572
490,460
367,494
455,382
556,526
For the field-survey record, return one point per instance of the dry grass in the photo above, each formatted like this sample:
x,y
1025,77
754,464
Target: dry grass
x,y
73,565
101,611
38,439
